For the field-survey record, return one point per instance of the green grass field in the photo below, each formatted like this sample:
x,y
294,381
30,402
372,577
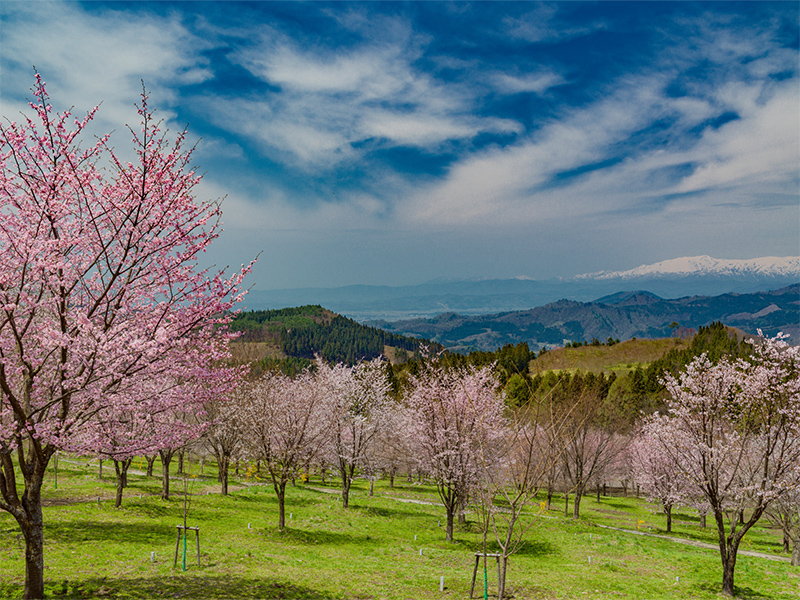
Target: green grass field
x,y
93,550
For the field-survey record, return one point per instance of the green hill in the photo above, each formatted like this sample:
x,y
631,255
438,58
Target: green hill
x,y
289,338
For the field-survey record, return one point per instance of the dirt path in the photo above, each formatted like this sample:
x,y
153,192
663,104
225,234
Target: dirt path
x,y
697,544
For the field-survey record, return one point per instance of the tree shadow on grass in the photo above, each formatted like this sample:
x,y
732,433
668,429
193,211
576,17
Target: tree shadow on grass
x,y
528,548
617,505
742,593
103,531
179,585
304,536
374,511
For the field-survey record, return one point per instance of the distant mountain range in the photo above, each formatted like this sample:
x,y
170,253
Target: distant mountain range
x,y
677,278
620,316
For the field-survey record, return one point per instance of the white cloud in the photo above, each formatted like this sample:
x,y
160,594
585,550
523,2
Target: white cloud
x,y
99,57
537,83
760,148
329,101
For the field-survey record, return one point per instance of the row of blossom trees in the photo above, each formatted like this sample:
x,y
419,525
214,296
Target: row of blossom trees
x,y
727,443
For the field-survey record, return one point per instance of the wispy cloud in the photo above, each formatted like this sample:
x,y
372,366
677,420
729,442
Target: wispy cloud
x,y
101,56
326,102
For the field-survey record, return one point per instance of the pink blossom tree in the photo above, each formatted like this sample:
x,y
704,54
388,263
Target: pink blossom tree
x,y
357,401
656,474
98,285
283,425
454,414
731,431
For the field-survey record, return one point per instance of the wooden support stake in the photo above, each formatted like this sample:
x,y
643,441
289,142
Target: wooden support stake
x,y
178,542
478,556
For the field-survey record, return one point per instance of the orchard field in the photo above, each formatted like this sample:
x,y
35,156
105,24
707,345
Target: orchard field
x,y
368,550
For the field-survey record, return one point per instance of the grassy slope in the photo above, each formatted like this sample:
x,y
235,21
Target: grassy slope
x,y
367,551
619,358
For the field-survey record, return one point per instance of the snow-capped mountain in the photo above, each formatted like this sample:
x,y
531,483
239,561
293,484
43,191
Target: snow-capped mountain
x,y
706,266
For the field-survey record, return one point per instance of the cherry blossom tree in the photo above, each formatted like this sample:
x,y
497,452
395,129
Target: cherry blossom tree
x,y
591,445
357,400
283,425
731,430
656,474
784,513
223,436
454,413
99,285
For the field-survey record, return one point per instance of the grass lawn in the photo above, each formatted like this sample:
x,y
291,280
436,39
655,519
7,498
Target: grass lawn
x,y
367,551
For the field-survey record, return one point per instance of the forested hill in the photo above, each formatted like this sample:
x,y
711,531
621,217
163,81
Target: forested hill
x,y
302,332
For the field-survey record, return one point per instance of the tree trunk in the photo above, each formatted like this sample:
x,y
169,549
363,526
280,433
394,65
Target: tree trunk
x,y
347,480
566,505
668,510
728,566
598,492
33,530
100,470
501,584
371,487
786,547
280,491
180,462
796,553
549,496
450,519
391,480
223,464
576,505
150,462
27,510
121,470
166,458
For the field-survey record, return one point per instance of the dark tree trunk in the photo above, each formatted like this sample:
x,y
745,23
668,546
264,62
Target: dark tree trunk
x,y
180,462
345,494
347,472
566,504
501,583
280,491
576,504
150,462
166,458
121,470
223,463
549,496
598,492
728,567
796,553
33,530
450,519
391,480
668,510
27,509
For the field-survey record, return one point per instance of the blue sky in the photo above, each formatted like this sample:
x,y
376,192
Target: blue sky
x,y
394,143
